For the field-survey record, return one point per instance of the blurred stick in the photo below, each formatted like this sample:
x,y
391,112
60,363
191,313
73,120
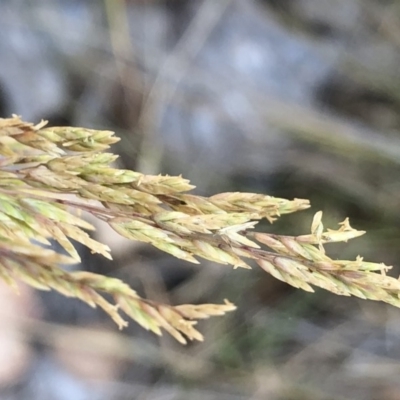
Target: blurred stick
x,y
336,134
173,70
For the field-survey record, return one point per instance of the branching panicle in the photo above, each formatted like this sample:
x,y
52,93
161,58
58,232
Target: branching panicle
x,y
47,172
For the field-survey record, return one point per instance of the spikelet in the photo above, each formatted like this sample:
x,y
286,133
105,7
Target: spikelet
x,y
47,173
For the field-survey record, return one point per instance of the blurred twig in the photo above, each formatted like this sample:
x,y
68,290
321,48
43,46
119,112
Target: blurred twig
x,y
174,69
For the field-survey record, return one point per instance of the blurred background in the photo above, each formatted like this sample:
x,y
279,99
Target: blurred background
x,y
293,98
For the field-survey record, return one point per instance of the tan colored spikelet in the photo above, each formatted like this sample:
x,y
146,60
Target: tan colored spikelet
x,y
48,172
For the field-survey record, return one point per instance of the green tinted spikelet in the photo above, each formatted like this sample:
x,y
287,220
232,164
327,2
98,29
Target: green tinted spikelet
x,y
47,174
